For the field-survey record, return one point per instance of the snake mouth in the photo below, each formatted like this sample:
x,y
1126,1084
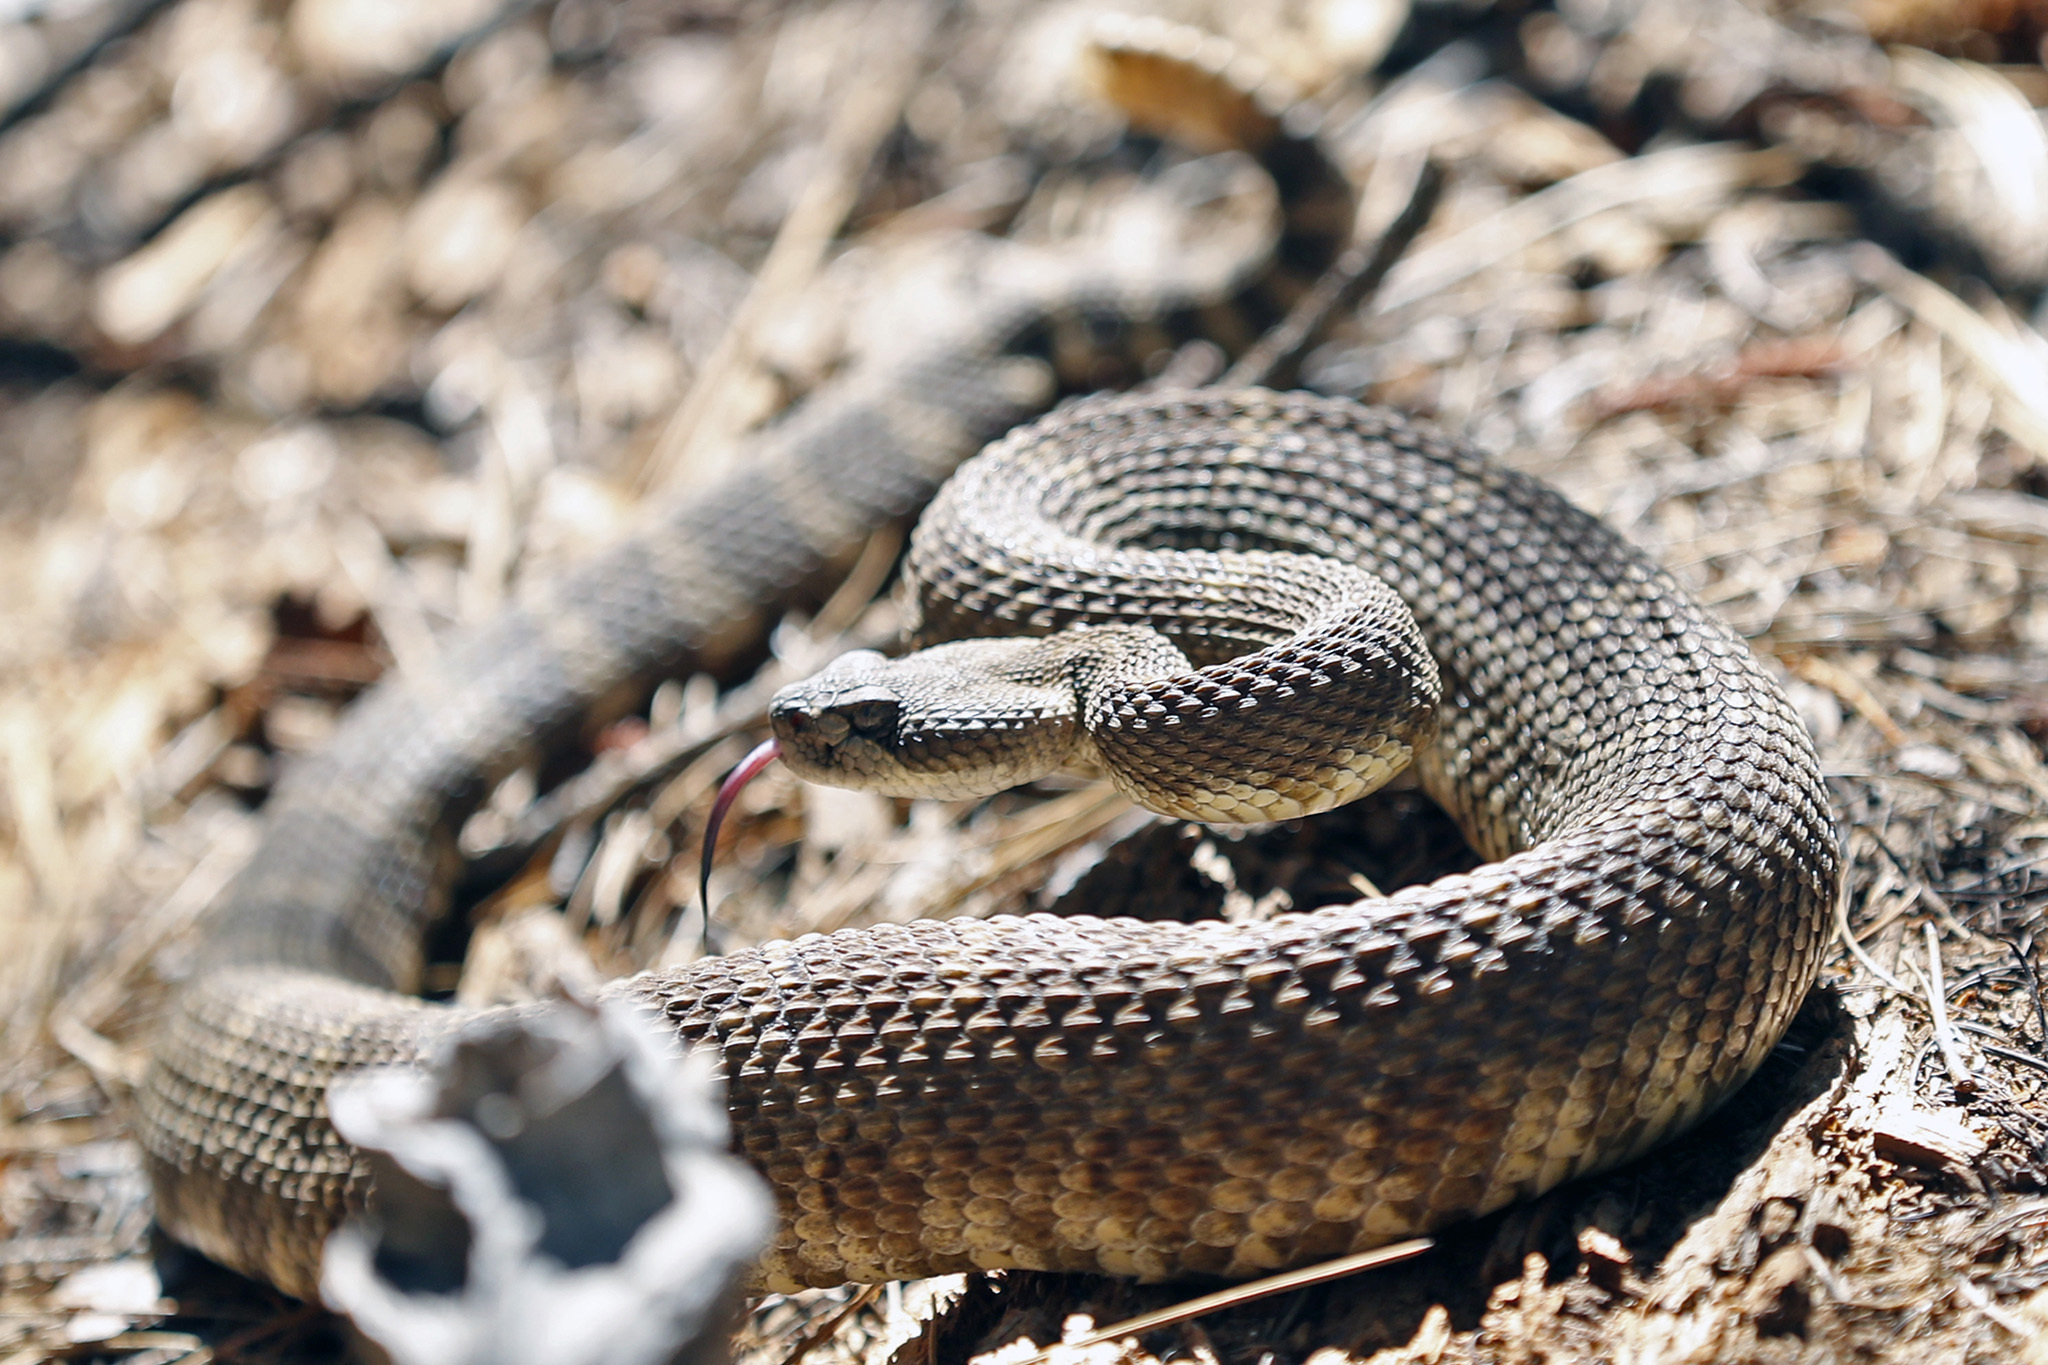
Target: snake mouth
x,y
800,732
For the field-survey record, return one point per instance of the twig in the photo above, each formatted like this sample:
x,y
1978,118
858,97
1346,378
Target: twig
x,y
2034,991
1959,1074
613,776
1051,829
1969,1292
290,1319
103,990
822,1333
117,1072
1926,894
2017,381
889,65
1803,357
1851,689
1856,950
1995,1050
1366,887
1243,1293
395,607
863,582
1713,171
1419,183
1980,792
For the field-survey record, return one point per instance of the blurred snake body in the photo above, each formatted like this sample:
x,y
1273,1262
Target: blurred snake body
x,y
1141,1098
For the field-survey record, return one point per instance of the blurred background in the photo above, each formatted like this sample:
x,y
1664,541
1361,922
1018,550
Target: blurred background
x,y
325,324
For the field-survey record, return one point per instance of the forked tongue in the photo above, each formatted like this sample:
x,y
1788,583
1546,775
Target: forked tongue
x,y
728,792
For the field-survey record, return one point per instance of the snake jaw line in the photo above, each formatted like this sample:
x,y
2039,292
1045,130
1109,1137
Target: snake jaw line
x,y
911,727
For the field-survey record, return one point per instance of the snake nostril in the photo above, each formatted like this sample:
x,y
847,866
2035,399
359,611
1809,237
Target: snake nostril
x,y
830,725
793,719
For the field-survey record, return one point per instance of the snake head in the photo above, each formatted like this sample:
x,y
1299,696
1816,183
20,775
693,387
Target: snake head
x,y
958,720
845,707
954,721
840,723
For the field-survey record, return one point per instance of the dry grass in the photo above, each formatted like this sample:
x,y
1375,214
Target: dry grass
x,y
319,341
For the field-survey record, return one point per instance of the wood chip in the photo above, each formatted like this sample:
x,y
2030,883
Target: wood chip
x,y
1935,1140
1604,1259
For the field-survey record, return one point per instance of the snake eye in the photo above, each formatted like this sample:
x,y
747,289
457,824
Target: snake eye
x,y
874,718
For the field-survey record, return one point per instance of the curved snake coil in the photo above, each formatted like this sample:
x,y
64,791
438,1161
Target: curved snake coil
x,y
1158,1099
1164,1099
1146,1099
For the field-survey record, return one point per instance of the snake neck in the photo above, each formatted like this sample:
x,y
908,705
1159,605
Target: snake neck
x,y
1224,686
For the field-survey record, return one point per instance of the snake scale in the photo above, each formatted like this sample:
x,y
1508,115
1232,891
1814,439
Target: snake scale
x,y
1142,1098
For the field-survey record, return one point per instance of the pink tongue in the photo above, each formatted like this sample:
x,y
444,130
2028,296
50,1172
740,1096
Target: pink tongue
x,y
749,768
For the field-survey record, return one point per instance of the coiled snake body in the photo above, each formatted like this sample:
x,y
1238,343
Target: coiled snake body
x,y
1148,1099
1162,1099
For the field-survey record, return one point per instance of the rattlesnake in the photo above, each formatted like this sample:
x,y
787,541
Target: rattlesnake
x,y
1141,1098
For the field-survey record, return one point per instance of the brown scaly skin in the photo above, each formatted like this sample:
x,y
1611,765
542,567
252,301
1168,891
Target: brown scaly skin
x,y
1165,1099
1160,1099
306,959
1141,1098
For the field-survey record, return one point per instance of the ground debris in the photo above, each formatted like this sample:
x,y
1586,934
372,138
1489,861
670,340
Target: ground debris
x,y
322,330
1936,1141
